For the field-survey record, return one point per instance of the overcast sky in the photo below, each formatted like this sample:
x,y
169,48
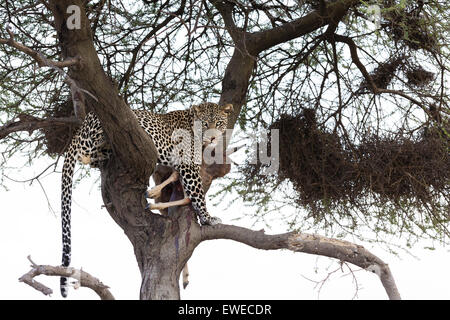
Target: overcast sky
x,y
219,269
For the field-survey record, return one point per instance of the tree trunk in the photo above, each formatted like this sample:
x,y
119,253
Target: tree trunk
x,y
162,243
163,255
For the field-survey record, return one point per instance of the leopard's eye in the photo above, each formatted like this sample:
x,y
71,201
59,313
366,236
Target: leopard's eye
x,y
205,124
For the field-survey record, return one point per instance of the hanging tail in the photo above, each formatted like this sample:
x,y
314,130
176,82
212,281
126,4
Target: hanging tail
x,y
66,203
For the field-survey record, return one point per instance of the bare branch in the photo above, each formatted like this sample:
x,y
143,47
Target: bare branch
x,y
84,279
308,243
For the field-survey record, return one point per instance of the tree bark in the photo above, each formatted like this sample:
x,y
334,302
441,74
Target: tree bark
x,y
83,278
170,242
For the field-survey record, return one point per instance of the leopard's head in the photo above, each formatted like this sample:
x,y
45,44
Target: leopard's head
x,y
213,118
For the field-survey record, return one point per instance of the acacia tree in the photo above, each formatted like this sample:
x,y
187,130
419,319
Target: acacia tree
x,y
327,74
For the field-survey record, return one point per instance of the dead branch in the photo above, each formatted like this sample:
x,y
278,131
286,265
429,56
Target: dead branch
x,y
308,243
83,278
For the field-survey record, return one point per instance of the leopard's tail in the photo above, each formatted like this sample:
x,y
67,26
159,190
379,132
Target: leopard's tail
x,y
66,203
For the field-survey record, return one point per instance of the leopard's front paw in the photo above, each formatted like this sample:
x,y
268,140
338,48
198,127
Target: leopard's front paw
x,y
210,221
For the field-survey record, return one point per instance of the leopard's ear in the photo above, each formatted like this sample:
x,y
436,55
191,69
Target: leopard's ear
x,y
228,108
195,109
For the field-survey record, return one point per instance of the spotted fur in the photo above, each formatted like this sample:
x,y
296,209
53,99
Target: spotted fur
x,y
90,147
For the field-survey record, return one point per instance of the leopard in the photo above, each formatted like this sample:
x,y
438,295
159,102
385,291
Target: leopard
x,y
90,147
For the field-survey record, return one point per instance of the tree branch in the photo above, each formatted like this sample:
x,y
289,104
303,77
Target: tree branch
x,y
126,77
331,14
249,45
31,123
84,279
355,59
42,62
131,146
308,243
77,93
225,9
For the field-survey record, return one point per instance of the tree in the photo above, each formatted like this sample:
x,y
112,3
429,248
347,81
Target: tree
x,y
300,67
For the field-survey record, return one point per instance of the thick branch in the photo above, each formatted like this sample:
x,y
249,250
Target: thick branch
x,y
84,279
308,243
249,45
30,124
225,9
254,43
332,14
131,146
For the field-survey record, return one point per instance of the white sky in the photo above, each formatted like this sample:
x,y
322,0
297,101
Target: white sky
x,y
219,269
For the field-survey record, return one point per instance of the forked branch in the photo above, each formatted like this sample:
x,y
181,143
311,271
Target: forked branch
x,y
83,278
